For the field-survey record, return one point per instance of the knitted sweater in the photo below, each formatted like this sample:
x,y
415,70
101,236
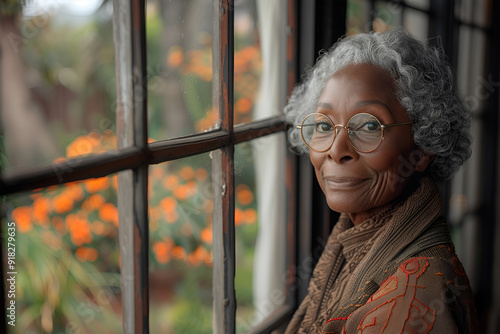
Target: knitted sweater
x,y
394,273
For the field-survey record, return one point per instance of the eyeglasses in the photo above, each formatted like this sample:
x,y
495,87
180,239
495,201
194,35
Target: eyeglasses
x,y
363,131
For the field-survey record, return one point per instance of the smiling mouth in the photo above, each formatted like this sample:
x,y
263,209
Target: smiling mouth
x,y
342,182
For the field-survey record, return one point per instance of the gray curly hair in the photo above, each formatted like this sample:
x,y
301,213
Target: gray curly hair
x,y
425,88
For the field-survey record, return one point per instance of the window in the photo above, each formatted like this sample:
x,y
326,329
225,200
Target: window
x,y
144,161
169,207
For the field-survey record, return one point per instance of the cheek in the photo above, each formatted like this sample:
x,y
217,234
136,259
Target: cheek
x,y
395,166
316,159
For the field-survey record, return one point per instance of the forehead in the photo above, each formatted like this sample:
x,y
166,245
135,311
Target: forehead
x,y
359,85
362,79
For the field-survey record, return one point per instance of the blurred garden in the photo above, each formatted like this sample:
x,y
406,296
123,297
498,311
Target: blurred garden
x,y
61,105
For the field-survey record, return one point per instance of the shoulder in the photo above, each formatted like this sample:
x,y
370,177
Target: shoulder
x,y
423,295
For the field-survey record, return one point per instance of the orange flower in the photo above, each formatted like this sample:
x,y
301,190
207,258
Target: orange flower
x,y
41,209
206,235
171,182
250,216
22,217
208,121
94,201
199,255
181,192
168,204
81,146
192,187
243,105
108,212
186,173
62,204
185,191
73,191
208,258
79,229
98,184
108,138
98,228
238,217
175,56
171,217
161,250
243,194
201,174
157,173
179,253
114,181
86,254
94,138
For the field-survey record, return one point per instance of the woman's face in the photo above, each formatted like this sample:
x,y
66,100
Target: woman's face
x,y
353,182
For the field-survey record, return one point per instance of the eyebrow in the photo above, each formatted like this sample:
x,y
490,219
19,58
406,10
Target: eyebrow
x,y
324,105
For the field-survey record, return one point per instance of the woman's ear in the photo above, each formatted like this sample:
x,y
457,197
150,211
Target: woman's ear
x,y
424,160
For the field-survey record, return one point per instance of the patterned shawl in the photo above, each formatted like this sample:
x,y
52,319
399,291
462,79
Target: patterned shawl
x,y
401,229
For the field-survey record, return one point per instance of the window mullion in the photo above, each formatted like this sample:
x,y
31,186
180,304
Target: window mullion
x,y
223,171
131,120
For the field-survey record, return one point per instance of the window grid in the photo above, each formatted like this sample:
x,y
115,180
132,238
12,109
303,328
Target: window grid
x,y
130,44
134,155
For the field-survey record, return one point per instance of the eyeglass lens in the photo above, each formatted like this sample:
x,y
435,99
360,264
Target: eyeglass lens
x,y
363,130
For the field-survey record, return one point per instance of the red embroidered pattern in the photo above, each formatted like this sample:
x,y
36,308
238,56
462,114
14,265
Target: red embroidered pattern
x,y
389,285
418,317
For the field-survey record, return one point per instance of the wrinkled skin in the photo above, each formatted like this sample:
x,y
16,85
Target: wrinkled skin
x,y
360,183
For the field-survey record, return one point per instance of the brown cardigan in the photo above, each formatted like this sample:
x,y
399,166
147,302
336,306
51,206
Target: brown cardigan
x,y
394,273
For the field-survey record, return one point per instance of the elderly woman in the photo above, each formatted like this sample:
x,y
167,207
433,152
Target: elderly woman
x,y
380,117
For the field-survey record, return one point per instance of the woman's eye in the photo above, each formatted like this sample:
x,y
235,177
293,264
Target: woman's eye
x,y
323,127
370,126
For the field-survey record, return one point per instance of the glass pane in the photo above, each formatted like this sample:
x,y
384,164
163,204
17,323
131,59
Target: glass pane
x,y
61,259
179,37
260,216
247,62
386,16
180,276
57,80
417,23
358,18
420,4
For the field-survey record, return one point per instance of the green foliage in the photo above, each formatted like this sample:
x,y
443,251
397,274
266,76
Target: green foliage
x,y
57,293
10,7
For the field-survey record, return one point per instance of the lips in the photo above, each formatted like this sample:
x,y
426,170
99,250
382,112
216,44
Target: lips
x,y
343,182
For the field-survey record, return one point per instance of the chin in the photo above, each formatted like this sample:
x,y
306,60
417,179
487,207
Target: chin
x,y
343,204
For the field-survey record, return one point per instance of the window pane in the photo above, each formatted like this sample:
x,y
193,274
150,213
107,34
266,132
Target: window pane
x,y
358,19
180,277
57,80
386,16
179,38
417,23
260,219
247,63
64,258
420,4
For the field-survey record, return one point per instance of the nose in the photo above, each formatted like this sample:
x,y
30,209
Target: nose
x,y
341,150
